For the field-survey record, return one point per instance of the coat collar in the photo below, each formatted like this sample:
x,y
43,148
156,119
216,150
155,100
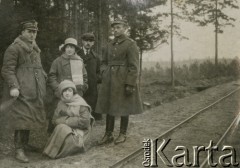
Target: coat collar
x,y
84,57
73,57
24,43
119,39
66,60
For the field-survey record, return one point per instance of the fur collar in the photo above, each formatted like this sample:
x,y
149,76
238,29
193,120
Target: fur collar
x,y
24,43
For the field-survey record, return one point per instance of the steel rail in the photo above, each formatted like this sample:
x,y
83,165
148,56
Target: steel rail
x,y
221,139
136,153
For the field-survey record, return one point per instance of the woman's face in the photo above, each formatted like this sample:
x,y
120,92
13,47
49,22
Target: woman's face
x,y
69,49
68,93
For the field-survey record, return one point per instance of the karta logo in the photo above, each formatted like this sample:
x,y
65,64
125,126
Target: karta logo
x,y
153,153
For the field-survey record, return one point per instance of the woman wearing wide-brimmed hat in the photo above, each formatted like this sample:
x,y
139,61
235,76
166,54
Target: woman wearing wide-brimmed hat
x,y
69,66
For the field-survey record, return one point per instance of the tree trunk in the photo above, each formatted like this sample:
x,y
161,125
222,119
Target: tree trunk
x,y
140,72
100,32
216,34
172,60
76,7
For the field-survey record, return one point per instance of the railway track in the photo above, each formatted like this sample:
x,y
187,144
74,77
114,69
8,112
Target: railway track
x,y
139,152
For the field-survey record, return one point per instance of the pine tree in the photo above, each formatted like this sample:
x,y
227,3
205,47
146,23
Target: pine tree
x,y
205,12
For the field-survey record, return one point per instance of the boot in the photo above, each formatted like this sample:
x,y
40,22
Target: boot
x,y
28,147
123,130
108,136
120,139
19,146
97,116
20,156
18,140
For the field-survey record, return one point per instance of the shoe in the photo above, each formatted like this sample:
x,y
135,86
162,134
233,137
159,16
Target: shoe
x,y
108,138
20,156
120,139
31,148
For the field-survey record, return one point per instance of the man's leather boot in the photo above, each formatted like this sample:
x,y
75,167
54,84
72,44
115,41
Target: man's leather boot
x,y
123,130
120,139
20,156
108,137
19,147
28,147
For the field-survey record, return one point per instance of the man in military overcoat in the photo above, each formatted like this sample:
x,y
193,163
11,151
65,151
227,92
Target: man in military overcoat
x,y
119,92
25,87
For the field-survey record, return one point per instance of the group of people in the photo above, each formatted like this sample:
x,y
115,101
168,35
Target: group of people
x,y
73,78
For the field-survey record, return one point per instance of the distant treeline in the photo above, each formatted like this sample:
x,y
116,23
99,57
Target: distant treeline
x,y
197,70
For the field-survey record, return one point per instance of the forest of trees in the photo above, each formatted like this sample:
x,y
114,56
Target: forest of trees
x,y
59,19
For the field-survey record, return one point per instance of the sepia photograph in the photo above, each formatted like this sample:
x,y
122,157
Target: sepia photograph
x,y
119,83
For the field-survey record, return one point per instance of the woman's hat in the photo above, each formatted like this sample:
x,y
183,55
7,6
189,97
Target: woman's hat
x,y
70,41
66,84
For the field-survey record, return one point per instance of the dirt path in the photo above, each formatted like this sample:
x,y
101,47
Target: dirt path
x,y
148,125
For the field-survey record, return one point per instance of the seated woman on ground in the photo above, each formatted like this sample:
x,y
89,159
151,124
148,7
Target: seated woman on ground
x,y
73,123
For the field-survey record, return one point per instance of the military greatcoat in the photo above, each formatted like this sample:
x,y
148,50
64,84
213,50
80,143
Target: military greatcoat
x,y
22,69
119,67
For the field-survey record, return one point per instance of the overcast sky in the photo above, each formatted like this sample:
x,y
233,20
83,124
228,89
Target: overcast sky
x,y
201,42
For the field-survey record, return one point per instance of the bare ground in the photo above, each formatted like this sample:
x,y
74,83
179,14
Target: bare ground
x,y
148,125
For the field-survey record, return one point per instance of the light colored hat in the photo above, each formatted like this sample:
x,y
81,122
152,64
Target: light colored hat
x,y
70,41
66,84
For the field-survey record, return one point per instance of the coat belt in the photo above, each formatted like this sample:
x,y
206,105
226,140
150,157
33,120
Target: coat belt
x,y
116,64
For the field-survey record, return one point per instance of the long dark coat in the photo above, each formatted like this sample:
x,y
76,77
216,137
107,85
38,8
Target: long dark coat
x,y
92,65
120,66
22,69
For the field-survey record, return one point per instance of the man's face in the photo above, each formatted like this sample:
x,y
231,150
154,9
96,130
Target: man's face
x,y
87,44
70,50
29,34
119,29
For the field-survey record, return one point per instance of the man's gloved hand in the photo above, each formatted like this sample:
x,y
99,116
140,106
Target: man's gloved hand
x,y
14,92
129,90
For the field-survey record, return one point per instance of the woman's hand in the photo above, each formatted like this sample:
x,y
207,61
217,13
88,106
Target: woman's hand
x,y
61,120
